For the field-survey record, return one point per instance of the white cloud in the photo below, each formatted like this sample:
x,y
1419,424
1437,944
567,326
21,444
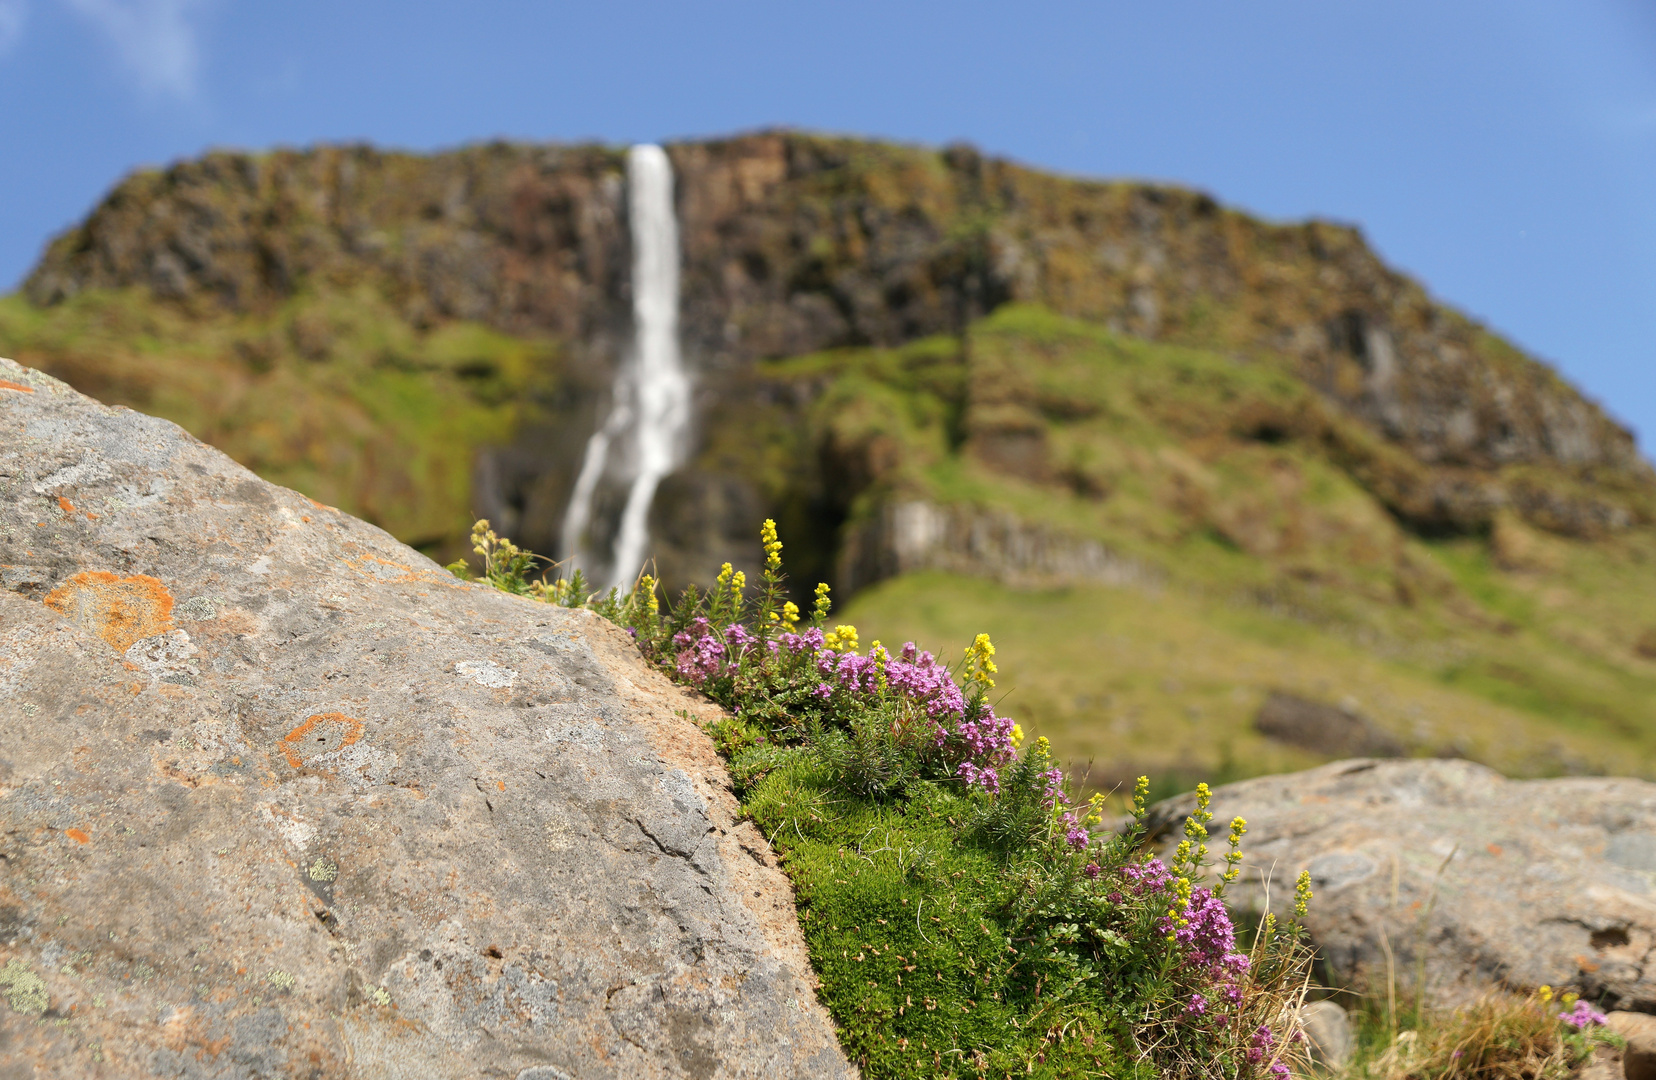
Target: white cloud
x,y
155,39
12,15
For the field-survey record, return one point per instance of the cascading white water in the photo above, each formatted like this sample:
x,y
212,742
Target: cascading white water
x,y
651,410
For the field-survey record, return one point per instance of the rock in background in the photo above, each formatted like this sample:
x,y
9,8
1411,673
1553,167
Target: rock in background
x,y
1491,883
280,797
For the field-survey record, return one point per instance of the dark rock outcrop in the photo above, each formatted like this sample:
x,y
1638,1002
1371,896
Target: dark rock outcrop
x,y
1445,867
1323,729
904,537
281,797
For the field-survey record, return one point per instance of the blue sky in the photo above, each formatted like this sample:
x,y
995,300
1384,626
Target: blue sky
x,y
1504,152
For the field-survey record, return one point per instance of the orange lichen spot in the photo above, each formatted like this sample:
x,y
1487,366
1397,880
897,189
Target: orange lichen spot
x,y
77,836
501,784
66,506
305,518
1493,849
119,610
320,734
7,384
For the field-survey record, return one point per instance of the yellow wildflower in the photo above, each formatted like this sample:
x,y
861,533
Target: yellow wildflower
x,y
1238,826
820,611
738,585
773,546
790,614
1017,736
841,638
980,657
1544,993
1302,894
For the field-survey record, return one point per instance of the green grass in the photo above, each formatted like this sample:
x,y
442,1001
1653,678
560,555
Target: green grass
x,y
1264,515
1167,681
905,926
336,396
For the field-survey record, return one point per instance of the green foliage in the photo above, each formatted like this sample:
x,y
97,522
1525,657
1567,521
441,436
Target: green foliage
x,y
964,917
335,394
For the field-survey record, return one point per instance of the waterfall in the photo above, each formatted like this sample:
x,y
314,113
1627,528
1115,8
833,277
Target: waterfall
x,y
642,439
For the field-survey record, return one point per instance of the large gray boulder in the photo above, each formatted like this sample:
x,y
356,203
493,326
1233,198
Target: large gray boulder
x,y
281,798
1493,883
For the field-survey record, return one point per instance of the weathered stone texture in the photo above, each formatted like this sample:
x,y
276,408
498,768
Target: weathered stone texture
x,y
1494,883
281,798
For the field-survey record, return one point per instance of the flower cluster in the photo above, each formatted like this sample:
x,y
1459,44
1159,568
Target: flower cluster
x,y
701,654
881,721
1583,1016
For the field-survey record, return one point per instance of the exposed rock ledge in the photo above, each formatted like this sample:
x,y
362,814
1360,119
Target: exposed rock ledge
x,y
1487,882
279,797
905,536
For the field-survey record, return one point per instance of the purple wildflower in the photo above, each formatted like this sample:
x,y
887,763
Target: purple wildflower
x,y
701,654
1260,1044
1198,1005
1582,1017
1054,779
986,778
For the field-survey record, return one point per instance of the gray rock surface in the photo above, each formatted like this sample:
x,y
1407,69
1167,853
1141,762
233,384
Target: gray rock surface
x,y
1328,1029
1489,882
281,798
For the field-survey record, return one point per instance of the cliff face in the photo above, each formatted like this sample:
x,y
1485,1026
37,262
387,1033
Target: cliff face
x,y
795,244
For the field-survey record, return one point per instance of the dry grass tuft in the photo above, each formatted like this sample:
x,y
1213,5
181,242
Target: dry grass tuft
x,y
1501,1037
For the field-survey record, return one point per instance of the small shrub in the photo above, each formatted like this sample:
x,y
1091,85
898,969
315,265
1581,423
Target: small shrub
x,y
963,914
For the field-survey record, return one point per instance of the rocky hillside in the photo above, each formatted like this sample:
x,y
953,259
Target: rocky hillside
x,y
920,361
796,244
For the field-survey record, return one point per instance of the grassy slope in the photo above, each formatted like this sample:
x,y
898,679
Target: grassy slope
x,y
1281,569
337,397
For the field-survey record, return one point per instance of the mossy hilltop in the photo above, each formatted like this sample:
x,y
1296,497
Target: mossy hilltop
x,y
1172,456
